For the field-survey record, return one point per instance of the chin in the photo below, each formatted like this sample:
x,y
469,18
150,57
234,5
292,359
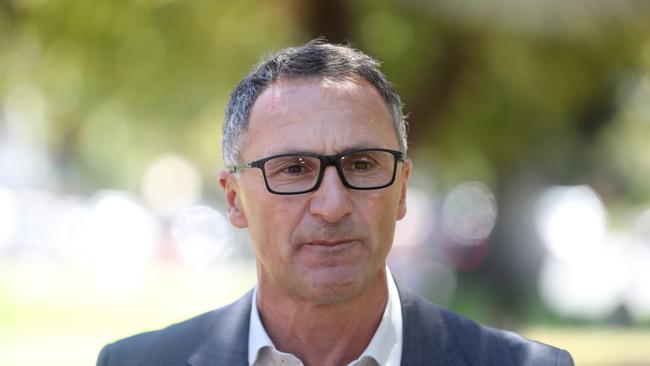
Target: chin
x,y
334,285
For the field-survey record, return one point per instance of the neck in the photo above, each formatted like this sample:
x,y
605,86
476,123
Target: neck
x,y
323,334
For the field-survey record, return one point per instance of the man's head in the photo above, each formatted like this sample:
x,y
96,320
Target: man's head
x,y
314,59
321,208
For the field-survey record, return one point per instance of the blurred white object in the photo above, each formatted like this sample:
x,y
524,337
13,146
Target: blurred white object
x,y
122,231
571,220
589,287
169,184
7,216
469,213
124,237
201,234
637,299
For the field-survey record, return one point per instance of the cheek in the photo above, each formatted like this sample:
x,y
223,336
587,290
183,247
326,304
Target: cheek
x,y
379,211
272,220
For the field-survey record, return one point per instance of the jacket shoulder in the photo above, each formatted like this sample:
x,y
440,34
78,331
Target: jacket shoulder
x,y
174,341
457,340
174,344
486,345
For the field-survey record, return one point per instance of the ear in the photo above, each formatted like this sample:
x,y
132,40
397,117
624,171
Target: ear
x,y
230,185
405,173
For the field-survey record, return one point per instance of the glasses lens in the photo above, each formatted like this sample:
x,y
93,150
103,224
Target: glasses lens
x,y
294,173
368,169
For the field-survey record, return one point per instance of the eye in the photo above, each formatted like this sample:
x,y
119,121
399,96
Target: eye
x,y
361,165
296,166
294,169
358,164
291,167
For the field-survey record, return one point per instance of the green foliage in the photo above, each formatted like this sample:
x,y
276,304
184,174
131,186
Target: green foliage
x,y
126,81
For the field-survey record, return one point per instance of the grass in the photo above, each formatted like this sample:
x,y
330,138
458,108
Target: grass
x,y
598,346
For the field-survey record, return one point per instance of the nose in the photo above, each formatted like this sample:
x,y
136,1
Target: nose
x,y
330,201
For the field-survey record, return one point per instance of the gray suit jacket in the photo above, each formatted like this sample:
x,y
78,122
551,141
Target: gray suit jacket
x,y
431,336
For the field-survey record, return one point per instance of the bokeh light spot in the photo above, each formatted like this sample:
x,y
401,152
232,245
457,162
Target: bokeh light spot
x,y
469,213
7,216
201,235
121,230
589,288
571,220
169,184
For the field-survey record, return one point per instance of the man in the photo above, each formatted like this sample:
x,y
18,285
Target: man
x,y
315,143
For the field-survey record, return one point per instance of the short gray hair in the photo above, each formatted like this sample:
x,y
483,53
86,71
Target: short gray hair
x,y
313,59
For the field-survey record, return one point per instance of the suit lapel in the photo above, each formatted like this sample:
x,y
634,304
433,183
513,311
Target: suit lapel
x,y
426,337
226,342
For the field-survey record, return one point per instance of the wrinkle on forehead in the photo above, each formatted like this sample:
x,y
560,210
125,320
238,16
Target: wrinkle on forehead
x,y
318,102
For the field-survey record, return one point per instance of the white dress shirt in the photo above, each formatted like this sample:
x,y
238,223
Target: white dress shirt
x,y
384,349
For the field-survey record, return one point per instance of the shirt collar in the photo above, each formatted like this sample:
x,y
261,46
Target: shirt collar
x,y
385,346
257,336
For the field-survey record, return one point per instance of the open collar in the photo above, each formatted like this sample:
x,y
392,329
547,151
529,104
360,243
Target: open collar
x,y
385,346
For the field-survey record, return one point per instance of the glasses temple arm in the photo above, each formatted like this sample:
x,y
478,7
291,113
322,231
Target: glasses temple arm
x,y
237,167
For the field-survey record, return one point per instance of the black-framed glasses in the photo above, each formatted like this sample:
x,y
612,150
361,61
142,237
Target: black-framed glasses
x,y
303,172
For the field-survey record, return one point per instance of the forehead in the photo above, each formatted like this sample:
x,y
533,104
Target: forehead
x,y
320,115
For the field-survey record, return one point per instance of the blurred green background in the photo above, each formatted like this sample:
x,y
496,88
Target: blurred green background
x,y
529,207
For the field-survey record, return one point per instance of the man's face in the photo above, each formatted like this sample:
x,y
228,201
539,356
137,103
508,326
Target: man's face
x,y
329,245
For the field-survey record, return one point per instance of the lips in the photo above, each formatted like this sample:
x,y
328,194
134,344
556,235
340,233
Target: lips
x,y
329,243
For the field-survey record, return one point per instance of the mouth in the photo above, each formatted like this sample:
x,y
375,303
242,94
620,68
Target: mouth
x,y
329,243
